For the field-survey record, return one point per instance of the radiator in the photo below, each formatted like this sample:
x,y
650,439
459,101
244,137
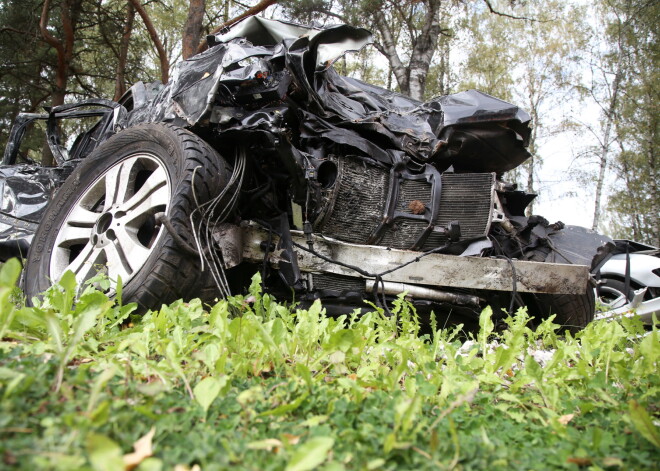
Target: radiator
x,y
355,206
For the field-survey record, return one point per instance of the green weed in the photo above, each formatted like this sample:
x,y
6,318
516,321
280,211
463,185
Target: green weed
x,y
251,384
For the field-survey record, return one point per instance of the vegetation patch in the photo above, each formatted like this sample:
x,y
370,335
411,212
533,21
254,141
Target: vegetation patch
x,y
250,383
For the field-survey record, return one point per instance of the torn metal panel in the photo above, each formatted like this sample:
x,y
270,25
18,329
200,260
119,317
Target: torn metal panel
x,y
263,32
328,44
637,307
432,270
15,237
574,244
262,62
474,106
26,190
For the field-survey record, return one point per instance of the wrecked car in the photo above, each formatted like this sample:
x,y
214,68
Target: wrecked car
x,y
258,156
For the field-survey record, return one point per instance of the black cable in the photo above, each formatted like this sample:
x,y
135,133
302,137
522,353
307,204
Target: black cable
x,y
378,281
626,285
265,262
366,273
162,218
514,276
328,259
378,277
514,282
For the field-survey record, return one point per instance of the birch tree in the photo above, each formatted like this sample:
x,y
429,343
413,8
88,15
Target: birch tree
x,y
531,59
635,203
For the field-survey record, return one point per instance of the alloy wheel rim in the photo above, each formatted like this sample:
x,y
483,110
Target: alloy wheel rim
x,y
611,298
113,225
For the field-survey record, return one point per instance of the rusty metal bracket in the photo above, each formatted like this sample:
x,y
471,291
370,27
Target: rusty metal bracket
x,y
433,270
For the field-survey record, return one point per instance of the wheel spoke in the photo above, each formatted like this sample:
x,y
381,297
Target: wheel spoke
x,y
70,235
82,217
152,194
116,262
129,247
117,182
83,265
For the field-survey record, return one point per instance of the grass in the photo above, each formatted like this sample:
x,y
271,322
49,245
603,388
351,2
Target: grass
x,y
252,384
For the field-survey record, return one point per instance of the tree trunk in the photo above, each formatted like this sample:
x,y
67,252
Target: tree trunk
x,y
411,78
70,10
423,50
652,162
120,78
192,31
389,49
634,215
605,144
443,73
153,34
532,162
605,149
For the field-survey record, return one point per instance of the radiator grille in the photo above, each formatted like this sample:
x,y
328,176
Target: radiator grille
x,y
361,192
404,233
337,282
356,205
413,190
468,199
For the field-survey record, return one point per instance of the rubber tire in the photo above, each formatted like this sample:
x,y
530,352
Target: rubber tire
x,y
573,311
169,273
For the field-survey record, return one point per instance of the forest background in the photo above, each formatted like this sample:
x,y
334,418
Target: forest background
x,y
587,72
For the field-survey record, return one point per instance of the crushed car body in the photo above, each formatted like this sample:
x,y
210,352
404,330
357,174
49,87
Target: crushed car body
x,y
259,156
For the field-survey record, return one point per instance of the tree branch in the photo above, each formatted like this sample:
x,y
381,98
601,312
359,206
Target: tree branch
x,y
18,31
43,24
162,54
341,18
506,15
258,8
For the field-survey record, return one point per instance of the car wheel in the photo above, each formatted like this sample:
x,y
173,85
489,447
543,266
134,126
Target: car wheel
x,y
109,215
572,311
612,294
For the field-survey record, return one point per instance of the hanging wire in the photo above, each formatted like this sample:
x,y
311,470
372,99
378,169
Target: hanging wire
x,y
206,217
514,276
378,277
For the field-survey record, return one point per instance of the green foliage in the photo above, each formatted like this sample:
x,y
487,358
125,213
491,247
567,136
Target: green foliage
x,y
631,32
252,384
